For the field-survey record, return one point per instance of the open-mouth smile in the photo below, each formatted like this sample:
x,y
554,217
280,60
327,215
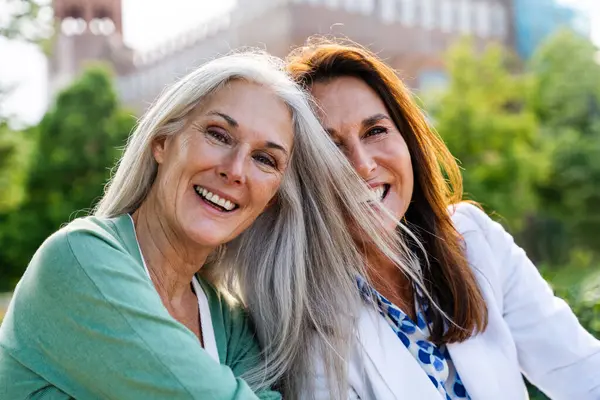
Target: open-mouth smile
x,y
380,192
215,201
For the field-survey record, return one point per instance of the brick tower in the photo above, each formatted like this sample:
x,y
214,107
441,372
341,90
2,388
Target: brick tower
x,y
86,30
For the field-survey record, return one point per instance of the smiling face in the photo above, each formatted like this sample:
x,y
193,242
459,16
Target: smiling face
x,y
218,175
358,121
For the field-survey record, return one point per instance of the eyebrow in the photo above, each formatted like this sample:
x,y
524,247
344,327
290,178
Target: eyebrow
x,y
273,145
367,122
233,123
373,119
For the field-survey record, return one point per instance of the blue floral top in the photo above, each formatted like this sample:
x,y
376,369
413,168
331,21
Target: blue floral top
x,y
435,360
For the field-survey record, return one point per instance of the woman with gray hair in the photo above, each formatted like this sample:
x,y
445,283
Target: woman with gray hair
x,y
228,185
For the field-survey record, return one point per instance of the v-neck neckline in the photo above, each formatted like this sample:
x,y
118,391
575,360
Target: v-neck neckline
x,y
209,342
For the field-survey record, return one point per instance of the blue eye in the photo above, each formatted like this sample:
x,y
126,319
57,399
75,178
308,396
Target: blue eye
x,y
266,160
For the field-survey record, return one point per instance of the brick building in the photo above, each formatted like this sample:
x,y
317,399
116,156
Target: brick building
x,y
412,35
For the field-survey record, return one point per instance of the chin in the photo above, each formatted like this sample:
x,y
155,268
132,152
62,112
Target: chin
x,y
206,237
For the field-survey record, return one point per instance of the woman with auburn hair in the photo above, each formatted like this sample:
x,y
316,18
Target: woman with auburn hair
x,y
491,316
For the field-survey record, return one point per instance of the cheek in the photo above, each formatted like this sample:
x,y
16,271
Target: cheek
x,y
407,166
399,161
265,187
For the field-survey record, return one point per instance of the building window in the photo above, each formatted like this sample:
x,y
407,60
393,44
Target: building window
x,y
428,20
387,10
481,20
367,6
499,21
464,13
408,12
352,5
446,15
361,6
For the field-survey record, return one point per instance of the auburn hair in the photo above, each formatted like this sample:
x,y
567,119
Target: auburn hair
x,y
437,183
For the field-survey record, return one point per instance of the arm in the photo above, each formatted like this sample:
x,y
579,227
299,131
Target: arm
x,y
86,313
555,352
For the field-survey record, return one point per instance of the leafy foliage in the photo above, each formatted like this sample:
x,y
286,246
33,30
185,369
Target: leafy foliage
x,y
483,119
14,157
76,143
566,97
528,139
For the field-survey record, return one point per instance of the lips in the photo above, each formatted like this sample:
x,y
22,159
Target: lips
x,y
220,202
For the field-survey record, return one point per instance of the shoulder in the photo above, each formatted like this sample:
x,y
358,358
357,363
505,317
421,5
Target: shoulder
x,y
87,235
467,217
81,240
85,250
83,232
80,265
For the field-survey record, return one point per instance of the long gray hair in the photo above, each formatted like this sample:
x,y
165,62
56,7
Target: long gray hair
x,y
295,268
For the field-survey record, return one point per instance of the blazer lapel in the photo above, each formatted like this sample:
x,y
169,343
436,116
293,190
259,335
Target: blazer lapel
x,y
390,368
474,363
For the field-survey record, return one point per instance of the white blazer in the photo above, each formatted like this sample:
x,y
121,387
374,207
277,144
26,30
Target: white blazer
x,y
529,331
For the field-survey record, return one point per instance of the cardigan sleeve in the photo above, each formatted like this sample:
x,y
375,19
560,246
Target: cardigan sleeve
x,y
85,318
555,352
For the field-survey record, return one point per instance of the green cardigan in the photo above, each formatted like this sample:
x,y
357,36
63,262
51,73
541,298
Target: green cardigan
x,y
86,322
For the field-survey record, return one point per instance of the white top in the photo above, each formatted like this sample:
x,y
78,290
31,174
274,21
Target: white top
x,y
208,333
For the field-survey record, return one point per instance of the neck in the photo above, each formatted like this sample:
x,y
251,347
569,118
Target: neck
x,y
172,261
379,267
388,279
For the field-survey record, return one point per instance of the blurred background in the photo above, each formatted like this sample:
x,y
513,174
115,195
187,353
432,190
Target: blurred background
x,y
512,86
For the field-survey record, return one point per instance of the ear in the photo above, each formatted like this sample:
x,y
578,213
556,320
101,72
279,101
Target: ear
x,y
159,148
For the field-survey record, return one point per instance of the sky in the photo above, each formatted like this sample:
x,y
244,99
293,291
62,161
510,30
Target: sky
x,y
145,24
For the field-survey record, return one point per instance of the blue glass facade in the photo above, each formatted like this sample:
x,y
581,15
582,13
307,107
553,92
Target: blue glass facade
x,y
535,20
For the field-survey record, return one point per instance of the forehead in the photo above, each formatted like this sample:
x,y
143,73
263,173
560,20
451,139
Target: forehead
x,y
256,109
346,101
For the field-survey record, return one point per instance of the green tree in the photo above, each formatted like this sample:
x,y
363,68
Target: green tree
x,y
28,21
566,99
14,156
483,119
77,142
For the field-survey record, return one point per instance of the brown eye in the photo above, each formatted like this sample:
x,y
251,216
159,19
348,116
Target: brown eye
x,y
378,130
218,136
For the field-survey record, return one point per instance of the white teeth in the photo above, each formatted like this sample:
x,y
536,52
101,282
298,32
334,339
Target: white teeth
x,y
226,204
378,192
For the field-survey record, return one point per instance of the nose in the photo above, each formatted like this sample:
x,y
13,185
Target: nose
x,y
233,170
362,161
